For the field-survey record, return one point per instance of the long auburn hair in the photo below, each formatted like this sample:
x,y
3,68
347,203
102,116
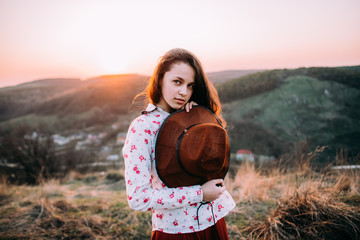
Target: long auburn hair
x,y
204,92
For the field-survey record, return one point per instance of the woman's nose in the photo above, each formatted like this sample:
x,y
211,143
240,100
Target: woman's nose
x,y
183,91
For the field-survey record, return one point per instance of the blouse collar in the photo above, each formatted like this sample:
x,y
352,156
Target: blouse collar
x,y
151,107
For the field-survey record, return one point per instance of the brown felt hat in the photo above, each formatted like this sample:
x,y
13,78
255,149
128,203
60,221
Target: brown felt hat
x,y
191,148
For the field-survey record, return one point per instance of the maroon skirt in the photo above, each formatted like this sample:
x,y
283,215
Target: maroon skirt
x,y
215,232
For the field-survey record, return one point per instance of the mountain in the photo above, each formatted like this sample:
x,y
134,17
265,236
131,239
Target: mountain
x,y
14,101
114,92
67,103
80,101
270,112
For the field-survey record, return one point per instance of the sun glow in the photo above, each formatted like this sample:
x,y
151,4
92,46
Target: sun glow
x,y
84,38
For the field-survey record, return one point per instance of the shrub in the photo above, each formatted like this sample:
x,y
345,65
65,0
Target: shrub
x,y
34,154
114,176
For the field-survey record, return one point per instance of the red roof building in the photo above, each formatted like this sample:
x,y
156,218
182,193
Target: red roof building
x,y
245,155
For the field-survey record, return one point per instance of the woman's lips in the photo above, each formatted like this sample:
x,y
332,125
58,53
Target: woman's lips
x,y
179,101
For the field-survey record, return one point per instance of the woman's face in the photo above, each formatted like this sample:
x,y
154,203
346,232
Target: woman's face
x,y
177,87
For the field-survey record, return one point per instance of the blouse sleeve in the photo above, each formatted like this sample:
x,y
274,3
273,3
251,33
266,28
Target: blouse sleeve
x,y
141,195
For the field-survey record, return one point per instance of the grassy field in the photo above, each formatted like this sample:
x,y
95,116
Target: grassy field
x,y
272,203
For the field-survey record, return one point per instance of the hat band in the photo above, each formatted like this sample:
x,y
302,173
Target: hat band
x,y
178,150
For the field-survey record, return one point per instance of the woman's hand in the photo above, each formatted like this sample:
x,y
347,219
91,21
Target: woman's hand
x,y
189,106
213,189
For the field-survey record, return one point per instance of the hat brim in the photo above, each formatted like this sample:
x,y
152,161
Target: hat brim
x,y
168,167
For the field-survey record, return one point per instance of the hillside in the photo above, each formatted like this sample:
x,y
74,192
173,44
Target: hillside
x,y
14,101
275,110
223,76
71,103
112,92
261,82
67,104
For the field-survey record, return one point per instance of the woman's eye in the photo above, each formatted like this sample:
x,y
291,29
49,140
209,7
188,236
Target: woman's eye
x,y
191,86
177,81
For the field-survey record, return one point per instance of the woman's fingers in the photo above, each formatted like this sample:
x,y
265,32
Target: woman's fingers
x,y
213,189
189,105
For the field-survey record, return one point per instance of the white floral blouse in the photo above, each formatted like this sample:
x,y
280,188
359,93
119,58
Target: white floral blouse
x,y
175,210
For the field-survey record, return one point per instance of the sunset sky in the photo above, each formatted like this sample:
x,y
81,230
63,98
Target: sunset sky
x,y
86,38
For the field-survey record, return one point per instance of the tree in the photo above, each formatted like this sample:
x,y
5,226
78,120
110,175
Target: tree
x,y
32,152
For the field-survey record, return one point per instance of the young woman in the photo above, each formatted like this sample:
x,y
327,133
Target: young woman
x,y
178,82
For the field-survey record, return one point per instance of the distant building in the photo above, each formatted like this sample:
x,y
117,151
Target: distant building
x,y
115,126
60,140
245,155
81,145
113,157
120,138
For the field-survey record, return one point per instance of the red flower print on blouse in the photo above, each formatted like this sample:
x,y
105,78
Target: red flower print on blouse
x,y
220,207
175,223
160,216
209,219
159,201
171,196
198,192
133,130
192,228
157,115
146,141
141,158
126,156
146,200
136,170
147,131
129,197
133,147
181,200
129,182
158,123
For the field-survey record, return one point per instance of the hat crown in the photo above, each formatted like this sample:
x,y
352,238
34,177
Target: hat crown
x,y
202,149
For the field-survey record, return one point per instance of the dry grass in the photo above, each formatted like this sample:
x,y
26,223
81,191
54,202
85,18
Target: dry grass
x,y
298,203
309,215
272,203
83,207
249,184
